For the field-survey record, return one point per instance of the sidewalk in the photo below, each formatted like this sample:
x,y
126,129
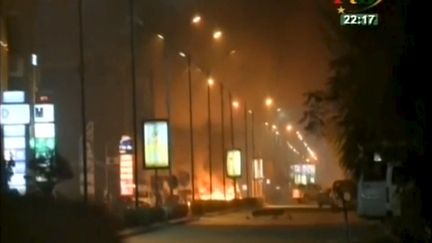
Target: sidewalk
x,y
152,227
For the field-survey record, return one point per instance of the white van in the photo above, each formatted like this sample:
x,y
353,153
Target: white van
x,y
378,195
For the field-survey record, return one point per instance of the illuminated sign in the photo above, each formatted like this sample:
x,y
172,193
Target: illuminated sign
x,y
156,144
234,164
14,147
126,175
355,6
13,96
43,113
258,169
15,114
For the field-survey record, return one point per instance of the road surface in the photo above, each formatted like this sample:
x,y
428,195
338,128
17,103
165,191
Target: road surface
x,y
293,226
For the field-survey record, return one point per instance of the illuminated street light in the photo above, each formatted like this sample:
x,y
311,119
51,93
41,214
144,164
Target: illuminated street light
x,y
250,111
288,128
268,101
278,109
160,36
277,133
196,19
182,54
266,123
274,127
217,34
235,104
268,181
210,82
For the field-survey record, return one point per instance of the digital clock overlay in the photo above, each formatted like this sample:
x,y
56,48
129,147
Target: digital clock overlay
x,y
357,12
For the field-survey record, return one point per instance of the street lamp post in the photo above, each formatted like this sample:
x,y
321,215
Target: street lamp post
x,y
223,138
188,58
232,137
246,150
210,83
133,96
83,99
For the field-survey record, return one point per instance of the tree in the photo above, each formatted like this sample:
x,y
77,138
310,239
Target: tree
x,y
370,103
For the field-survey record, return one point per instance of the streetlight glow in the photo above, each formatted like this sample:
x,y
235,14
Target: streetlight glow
x,y
217,34
289,127
278,109
274,127
182,54
235,104
250,111
210,81
268,101
160,36
196,19
266,123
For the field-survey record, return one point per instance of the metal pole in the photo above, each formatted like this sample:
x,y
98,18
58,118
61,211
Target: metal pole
x,y
223,139
231,120
253,150
209,141
83,99
134,103
191,127
246,150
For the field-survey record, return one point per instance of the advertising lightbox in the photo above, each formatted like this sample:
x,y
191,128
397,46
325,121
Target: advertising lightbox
x,y
14,114
258,169
234,163
156,144
43,113
127,185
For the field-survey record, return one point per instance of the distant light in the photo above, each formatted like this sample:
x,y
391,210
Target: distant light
x,y
160,36
266,123
3,44
244,187
277,133
268,101
274,127
210,81
182,54
268,181
217,34
289,128
250,111
235,104
277,187
278,109
232,52
377,157
307,160
34,59
196,19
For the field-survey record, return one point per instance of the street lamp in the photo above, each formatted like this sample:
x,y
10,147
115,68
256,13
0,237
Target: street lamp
x,y
235,104
160,36
196,19
268,102
289,128
188,59
217,34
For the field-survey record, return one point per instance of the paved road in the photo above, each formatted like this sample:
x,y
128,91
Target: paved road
x,y
320,226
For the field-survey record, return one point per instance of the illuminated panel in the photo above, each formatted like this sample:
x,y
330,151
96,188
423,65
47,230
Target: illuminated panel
x,y
156,144
126,175
14,147
234,163
43,113
44,130
14,114
13,97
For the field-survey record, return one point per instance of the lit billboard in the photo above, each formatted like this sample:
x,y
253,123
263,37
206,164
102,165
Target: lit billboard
x,y
127,185
234,163
156,144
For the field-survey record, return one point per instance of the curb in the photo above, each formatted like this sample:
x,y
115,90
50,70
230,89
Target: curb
x,y
152,227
